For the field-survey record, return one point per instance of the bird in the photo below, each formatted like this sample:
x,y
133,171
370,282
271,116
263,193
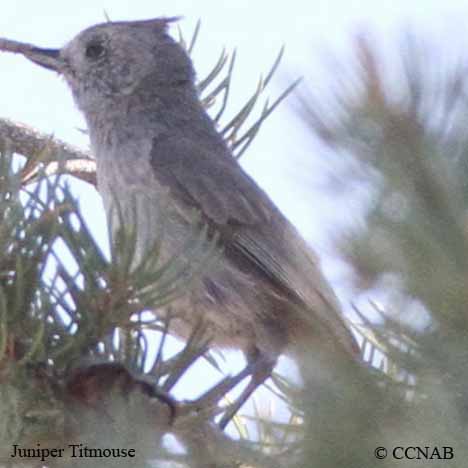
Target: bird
x,y
153,140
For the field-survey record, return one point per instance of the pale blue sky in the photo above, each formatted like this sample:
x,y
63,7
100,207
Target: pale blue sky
x,y
257,29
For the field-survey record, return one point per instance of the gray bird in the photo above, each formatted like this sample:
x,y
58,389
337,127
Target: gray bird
x,y
153,140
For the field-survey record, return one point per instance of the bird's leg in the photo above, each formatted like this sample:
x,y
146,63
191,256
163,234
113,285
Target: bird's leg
x,y
260,367
213,395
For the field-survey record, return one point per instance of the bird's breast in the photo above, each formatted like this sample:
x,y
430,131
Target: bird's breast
x,y
132,196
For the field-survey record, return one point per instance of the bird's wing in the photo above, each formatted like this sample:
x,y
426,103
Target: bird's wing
x,y
210,181
250,225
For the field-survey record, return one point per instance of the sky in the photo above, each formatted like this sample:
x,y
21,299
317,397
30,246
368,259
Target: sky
x,y
311,30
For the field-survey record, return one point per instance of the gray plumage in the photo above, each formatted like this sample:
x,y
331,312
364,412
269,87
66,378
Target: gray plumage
x,y
153,140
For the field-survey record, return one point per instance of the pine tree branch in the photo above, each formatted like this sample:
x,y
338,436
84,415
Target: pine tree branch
x,y
39,147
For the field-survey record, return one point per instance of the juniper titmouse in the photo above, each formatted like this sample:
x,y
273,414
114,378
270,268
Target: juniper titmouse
x,y
152,138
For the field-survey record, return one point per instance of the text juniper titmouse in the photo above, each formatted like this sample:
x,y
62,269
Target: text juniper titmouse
x,y
152,138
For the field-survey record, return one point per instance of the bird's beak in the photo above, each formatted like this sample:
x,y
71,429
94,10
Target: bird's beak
x,y
47,58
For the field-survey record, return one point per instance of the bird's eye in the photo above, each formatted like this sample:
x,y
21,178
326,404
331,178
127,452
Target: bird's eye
x,y
94,50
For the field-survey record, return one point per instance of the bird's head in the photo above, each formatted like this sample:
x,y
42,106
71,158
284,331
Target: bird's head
x,y
113,60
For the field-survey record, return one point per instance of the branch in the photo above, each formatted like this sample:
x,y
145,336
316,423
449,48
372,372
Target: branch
x,y
38,147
